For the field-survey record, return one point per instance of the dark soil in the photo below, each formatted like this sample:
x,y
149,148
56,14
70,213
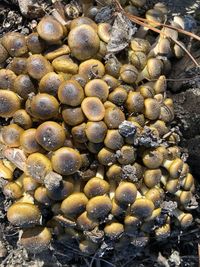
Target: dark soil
x,y
182,248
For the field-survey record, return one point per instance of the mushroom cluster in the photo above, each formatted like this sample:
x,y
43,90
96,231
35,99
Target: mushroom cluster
x,y
91,134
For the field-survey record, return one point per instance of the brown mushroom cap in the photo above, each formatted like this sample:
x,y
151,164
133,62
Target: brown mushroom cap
x,y
70,93
151,109
113,117
15,44
3,54
78,133
7,79
23,214
73,116
66,161
85,223
135,102
96,187
24,86
126,155
113,140
98,207
92,68
83,42
42,106
12,190
118,96
50,29
97,88
9,103
18,65
74,205
11,135
152,158
34,43
93,108
50,83
38,166
96,131
106,156
142,208
38,66
128,73
152,177
114,230
36,239
50,135
28,141
125,193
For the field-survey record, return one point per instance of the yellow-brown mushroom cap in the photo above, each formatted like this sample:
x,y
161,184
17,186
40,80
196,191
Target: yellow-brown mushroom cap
x,y
36,239
114,230
142,208
93,108
28,141
50,135
50,29
70,93
66,161
83,42
96,187
98,207
9,103
96,131
97,88
23,214
125,193
15,44
74,205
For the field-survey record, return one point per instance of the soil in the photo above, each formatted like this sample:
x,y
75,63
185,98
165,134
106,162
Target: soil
x,y
182,248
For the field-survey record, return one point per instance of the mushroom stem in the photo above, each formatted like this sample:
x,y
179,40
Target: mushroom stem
x,y
100,172
113,186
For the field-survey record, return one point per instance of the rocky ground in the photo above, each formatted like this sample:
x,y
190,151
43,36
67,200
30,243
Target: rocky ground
x,y
181,249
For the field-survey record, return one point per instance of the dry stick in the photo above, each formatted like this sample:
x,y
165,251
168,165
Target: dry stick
x,y
136,20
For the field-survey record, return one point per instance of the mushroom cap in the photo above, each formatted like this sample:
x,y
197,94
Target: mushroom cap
x,y
38,166
113,117
38,66
50,135
36,239
142,208
93,108
24,86
96,187
11,135
7,79
73,115
114,230
97,88
23,214
42,106
50,83
98,207
66,161
152,177
85,223
83,42
125,193
50,30
15,44
96,131
28,141
74,205
9,103
70,93
113,140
